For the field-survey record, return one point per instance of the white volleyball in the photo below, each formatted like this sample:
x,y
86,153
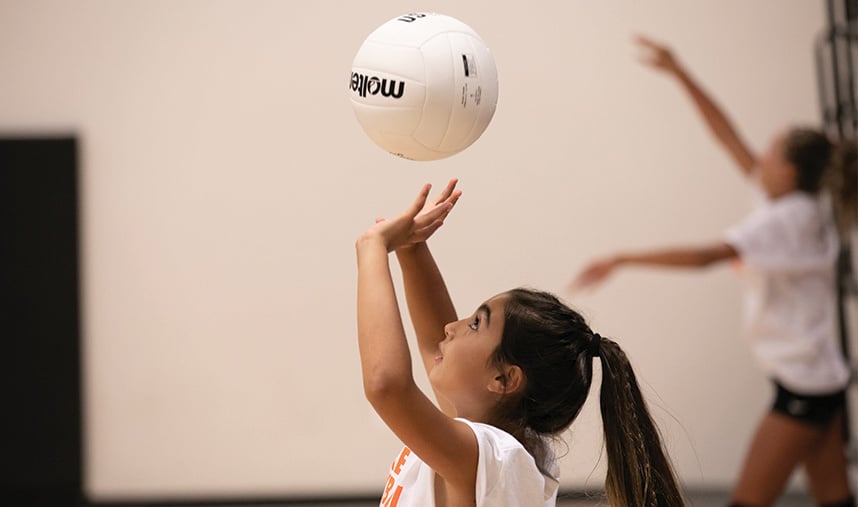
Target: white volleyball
x,y
424,86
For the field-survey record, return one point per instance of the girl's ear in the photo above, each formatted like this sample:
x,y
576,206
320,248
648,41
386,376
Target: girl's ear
x,y
509,380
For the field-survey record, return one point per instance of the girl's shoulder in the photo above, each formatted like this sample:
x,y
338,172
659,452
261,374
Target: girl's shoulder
x,y
801,211
502,456
498,445
793,210
493,434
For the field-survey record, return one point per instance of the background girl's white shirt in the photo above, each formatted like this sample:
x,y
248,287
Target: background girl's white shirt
x,y
789,247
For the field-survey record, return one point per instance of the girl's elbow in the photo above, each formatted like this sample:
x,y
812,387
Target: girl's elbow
x,y
384,388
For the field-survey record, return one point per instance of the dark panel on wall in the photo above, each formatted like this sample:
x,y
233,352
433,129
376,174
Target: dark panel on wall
x,y
40,430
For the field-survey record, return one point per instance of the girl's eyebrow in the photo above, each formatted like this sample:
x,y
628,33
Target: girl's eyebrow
x,y
485,309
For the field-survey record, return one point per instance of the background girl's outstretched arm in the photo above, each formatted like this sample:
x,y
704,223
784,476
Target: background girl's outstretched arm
x,y
448,446
660,57
429,302
691,257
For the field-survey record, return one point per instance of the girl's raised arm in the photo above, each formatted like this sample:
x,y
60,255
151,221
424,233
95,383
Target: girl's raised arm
x,y
448,446
660,57
429,302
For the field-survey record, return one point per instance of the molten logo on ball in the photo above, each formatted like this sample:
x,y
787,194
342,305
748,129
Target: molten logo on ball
x,y
364,85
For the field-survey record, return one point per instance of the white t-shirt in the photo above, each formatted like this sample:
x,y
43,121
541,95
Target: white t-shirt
x,y
789,247
507,475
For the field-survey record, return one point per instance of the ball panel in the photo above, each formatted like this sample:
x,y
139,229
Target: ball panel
x,y
461,91
476,91
405,146
402,61
416,28
386,120
441,85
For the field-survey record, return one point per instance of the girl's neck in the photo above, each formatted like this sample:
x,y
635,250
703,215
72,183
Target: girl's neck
x,y
778,193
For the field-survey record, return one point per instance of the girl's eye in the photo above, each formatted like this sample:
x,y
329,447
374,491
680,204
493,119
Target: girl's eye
x,y
475,324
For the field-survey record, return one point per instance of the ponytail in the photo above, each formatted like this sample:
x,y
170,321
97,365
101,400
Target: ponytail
x,y
821,164
556,350
639,471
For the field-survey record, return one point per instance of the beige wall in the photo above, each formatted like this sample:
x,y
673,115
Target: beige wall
x,y
225,180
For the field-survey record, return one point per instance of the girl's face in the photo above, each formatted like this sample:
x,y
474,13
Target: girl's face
x,y
777,175
463,372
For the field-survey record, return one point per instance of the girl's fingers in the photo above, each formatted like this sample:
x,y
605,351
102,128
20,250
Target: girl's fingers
x,y
437,212
645,41
448,191
429,230
577,284
420,201
450,203
453,199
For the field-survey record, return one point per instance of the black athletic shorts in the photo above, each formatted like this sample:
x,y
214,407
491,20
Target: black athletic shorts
x,y
818,410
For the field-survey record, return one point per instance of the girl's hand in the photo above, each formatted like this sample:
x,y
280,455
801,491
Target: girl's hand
x,y
418,222
594,274
658,56
449,195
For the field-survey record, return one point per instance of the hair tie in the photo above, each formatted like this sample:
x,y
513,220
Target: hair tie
x,y
595,345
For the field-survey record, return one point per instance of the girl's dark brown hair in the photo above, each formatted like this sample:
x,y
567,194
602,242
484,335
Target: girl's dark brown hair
x,y
820,164
555,349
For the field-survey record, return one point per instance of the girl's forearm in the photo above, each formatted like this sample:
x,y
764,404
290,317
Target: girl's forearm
x,y
718,122
385,358
676,257
429,302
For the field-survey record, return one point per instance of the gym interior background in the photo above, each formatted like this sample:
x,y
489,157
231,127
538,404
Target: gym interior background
x,y
191,178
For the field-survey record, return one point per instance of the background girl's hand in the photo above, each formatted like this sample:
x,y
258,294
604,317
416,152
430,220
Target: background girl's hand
x,y
657,55
594,274
418,222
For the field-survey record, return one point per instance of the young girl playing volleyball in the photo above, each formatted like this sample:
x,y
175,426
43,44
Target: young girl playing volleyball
x,y
508,379
788,246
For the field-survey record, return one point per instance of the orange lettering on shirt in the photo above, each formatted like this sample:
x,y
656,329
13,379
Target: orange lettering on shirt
x,y
387,487
395,499
388,499
397,466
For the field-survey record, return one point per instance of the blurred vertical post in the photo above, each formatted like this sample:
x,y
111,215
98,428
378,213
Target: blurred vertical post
x,y
836,54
